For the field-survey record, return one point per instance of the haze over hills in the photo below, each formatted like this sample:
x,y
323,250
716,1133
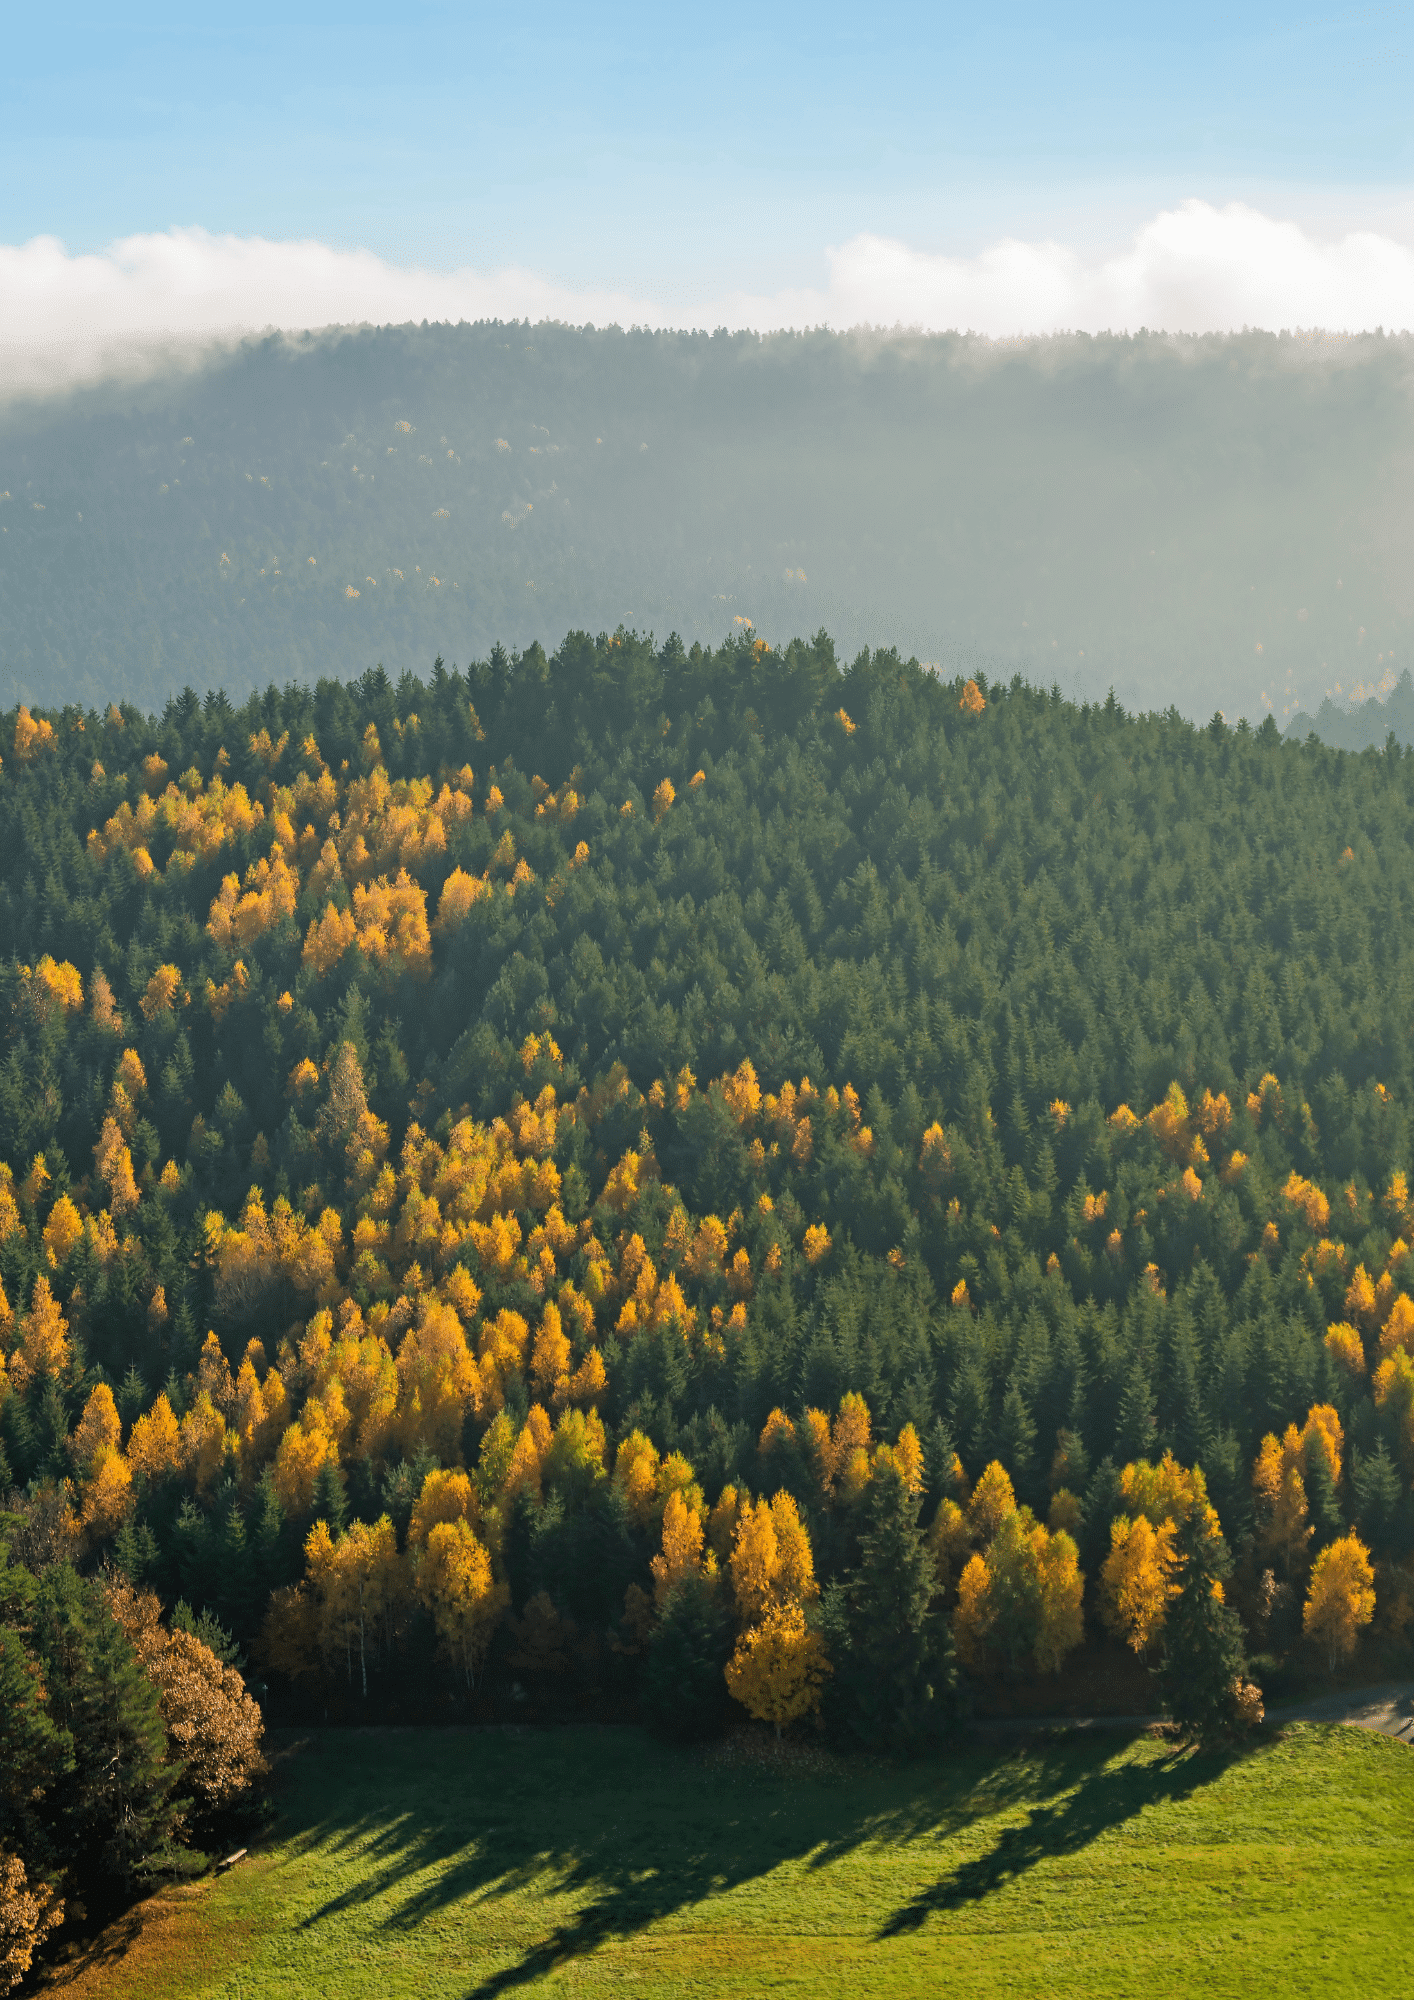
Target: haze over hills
x,y
1207,523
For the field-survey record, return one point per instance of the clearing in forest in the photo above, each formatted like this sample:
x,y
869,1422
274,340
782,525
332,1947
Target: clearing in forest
x,y
479,1862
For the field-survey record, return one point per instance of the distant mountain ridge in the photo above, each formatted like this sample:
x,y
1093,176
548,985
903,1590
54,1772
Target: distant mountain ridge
x,y
1209,524
1363,725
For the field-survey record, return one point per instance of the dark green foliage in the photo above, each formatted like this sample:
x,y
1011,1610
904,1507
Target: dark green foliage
x,y
1102,1501
209,1629
684,1691
579,1547
1136,1429
1203,1652
1378,1492
894,1681
35,1755
996,926
1322,1500
331,1496
135,1551
115,1807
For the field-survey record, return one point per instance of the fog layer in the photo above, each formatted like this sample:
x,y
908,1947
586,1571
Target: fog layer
x,y
1215,523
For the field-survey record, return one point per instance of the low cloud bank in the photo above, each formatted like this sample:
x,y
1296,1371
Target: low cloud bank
x,y
151,301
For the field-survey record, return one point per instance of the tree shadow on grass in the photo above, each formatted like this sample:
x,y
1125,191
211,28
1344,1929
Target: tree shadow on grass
x,y
630,1833
1053,1829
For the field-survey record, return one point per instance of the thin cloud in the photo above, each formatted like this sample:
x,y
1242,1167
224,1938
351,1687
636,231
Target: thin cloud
x,y
150,301
1192,269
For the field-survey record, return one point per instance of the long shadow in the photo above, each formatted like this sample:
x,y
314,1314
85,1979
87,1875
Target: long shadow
x,y
1101,1801
642,1833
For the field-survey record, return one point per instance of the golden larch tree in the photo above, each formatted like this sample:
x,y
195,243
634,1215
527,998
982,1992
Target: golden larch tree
x,y
1341,1598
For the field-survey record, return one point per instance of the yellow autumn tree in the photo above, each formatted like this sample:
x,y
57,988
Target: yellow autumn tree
x,y
154,1449
455,1582
1022,1594
161,991
1341,1598
771,1559
681,1554
62,1231
43,1350
447,1495
358,1584
993,1499
1136,1581
779,1668
1060,1621
327,939
29,1911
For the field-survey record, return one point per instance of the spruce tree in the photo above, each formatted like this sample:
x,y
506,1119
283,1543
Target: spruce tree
x,y
1136,1429
34,1754
115,1809
1322,1499
939,1456
684,1689
1203,1657
1103,1500
894,1682
330,1497
1378,1490
1016,1437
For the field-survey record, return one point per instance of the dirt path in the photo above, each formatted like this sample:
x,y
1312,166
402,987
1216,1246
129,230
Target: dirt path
x,y
1388,1708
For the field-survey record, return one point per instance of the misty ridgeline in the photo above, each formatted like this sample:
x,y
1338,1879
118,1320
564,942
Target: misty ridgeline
x,y
1213,524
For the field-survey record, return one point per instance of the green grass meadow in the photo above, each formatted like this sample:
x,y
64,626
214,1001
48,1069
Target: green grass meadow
x,y
593,1861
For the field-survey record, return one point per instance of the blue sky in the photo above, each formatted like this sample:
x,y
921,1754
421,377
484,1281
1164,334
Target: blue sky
x,y
684,150
1010,170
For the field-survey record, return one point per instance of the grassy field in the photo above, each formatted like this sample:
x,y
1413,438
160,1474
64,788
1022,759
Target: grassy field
x,y
591,1861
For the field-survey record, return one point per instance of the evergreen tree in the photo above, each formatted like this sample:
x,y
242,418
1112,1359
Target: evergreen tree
x,y
1137,1428
115,1810
1322,1499
331,1497
34,1753
1103,1500
1204,1660
1016,1440
684,1689
135,1551
1378,1490
1186,1427
894,1682
939,1461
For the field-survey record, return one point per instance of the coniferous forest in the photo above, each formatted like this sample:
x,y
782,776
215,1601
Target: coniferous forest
x,y
685,1184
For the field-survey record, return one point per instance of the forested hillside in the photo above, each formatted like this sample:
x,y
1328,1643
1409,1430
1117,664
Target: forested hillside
x,y
550,1182
1211,523
1361,724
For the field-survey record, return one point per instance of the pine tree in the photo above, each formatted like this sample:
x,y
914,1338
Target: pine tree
x,y
330,1498
115,1809
1187,1427
1378,1490
1321,1498
34,1754
684,1693
1204,1662
135,1551
1136,1429
132,1396
1103,1500
940,1460
1016,1439
895,1680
